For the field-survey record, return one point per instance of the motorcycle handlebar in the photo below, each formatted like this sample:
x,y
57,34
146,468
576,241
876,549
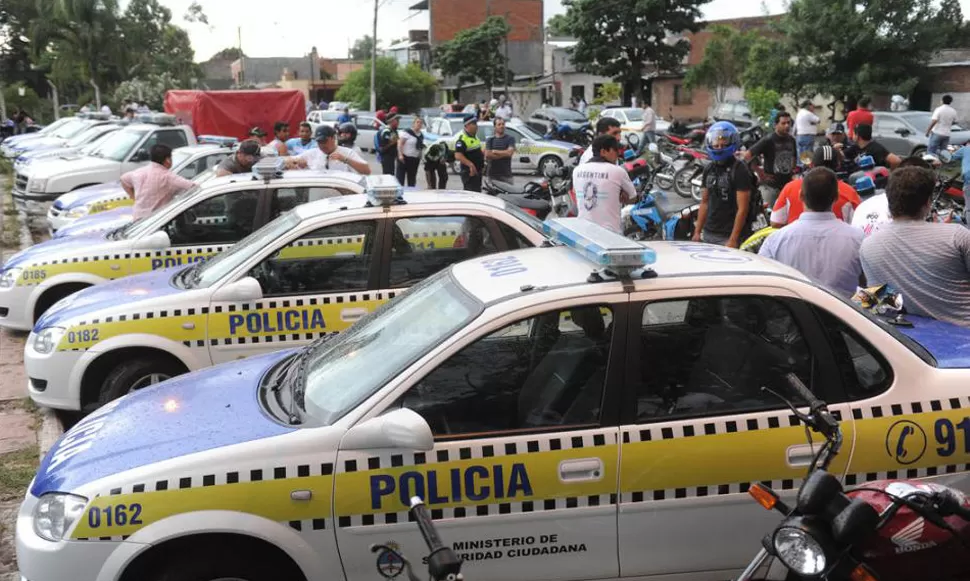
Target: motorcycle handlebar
x,y
425,524
802,391
443,564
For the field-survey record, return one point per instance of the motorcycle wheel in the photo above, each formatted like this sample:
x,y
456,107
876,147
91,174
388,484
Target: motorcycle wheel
x,y
696,192
662,181
683,178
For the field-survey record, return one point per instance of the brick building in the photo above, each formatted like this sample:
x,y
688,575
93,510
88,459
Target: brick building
x,y
950,76
525,17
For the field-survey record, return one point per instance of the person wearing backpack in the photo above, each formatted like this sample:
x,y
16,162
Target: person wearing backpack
x,y
386,145
729,199
409,150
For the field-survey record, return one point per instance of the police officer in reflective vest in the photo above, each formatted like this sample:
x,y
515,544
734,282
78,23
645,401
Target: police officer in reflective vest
x,y
468,152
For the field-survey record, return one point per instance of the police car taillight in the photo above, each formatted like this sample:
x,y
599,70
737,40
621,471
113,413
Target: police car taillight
x,y
615,253
384,190
218,140
269,168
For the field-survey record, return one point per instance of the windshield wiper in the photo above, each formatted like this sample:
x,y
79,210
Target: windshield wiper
x,y
277,388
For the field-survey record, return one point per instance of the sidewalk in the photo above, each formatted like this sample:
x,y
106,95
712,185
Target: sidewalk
x,y
26,431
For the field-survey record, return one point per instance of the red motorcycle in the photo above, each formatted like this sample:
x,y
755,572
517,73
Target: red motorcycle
x,y
888,530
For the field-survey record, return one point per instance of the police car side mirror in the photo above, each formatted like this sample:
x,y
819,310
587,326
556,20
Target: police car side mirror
x,y
157,240
243,290
401,429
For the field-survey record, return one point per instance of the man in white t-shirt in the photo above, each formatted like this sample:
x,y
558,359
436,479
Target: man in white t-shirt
x,y
328,155
806,128
602,187
872,213
939,130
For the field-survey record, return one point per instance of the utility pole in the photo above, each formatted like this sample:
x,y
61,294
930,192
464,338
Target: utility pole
x,y
373,63
507,96
242,58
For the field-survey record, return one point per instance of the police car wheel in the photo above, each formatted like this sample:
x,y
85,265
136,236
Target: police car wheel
x,y
136,374
217,563
549,165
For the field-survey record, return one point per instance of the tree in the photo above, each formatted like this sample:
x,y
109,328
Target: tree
x,y
194,13
361,50
619,39
606,94
558,25
229,53
84,31
407,87
476,53
761,101
15,65
149,90
724,63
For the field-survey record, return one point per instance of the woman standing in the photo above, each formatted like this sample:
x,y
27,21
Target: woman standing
x,y
411,145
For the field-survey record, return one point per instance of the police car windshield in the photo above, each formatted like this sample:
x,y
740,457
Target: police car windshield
x,y
117,146
149,224
85,136
344,371
207,273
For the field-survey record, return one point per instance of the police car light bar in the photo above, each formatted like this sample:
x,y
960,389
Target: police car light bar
x,y
156,118
383,190
218,140
95,116
269,168
606,249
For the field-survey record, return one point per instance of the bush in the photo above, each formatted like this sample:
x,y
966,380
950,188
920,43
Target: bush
x,y
761,101
39,108
406,87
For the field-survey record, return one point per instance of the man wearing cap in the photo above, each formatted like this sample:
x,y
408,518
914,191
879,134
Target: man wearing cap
x,y
387,144
468,152
328,155
242,161
789,205
258,135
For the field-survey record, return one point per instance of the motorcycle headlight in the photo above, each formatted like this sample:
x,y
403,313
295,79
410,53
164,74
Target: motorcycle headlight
x,y
38,185
78,212
799,550
56,513
8,278
47,339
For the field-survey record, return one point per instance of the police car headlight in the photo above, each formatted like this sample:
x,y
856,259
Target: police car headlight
x,y
799,550
78,212
47,339
9,277
56,513
38,185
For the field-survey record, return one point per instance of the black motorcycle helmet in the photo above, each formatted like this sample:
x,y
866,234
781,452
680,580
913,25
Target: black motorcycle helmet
x,y
346,134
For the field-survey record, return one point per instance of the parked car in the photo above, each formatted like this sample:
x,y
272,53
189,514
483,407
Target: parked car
x,y
631,120
904,132
338,106
533,154
736,112
540,119
318,118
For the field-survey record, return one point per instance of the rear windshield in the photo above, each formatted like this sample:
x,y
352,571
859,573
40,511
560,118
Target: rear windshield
x,y
882,323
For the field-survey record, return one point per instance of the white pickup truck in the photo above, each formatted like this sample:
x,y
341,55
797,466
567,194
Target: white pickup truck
x,y
117,154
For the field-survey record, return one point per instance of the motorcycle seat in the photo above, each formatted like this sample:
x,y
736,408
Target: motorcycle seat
x,y
508,188
524,202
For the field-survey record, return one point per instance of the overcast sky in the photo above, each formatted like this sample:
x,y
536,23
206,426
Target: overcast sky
x,y
291,28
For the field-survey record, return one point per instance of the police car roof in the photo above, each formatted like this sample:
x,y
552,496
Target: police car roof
x,y
290,176
196,147
561,266
421,198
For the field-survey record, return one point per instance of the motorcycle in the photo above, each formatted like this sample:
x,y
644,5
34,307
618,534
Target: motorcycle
x,y
687,179
534,197
581,135
443,563
888,530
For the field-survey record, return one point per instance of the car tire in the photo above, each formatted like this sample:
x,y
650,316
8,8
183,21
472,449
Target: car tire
x,y
553,162
919,151
136,374
220,562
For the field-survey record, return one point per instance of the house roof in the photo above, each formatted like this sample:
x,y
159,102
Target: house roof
x,y
951,57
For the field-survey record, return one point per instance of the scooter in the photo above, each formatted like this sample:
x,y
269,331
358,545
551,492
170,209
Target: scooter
x,y
888,530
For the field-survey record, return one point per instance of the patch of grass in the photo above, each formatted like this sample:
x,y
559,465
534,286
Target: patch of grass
x,y
16,471
6,167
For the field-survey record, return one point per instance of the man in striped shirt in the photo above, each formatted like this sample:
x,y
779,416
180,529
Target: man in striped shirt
x,y
928,262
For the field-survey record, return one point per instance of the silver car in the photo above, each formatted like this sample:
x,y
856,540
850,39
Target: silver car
x,y
904,132
533,154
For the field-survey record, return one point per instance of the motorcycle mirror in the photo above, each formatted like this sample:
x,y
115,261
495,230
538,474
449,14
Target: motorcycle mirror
x,y
819,492
653,148
855,522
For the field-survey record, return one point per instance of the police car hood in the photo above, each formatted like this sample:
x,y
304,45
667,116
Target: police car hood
x,y
54,167
87,195
192,413
949,344
100,222
121,295
44,143
58,248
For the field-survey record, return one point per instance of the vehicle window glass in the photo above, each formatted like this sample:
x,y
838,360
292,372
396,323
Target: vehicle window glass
x,y
513,134
712,355
513,239
865,373
118,145
335,258
888,125
422,246
544,372
172,138
191,170
540,116
220,219
285,199
212,161
144,150
365,123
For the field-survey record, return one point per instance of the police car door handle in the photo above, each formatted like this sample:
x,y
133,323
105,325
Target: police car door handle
x,y
800,455
188,326
582,469
302,495
351,315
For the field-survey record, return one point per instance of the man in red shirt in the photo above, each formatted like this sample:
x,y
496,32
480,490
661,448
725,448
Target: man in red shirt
x,y
790,206
861,116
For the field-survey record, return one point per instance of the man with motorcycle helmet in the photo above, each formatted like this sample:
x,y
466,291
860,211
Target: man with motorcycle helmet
x,y
347,136
727,195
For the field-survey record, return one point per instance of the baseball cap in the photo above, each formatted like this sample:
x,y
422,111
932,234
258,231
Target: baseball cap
x,y
324,132
257,132
249,147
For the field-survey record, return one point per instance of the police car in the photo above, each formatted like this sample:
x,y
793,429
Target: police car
x,y
533,153
187,162
310,273
562,421
197,224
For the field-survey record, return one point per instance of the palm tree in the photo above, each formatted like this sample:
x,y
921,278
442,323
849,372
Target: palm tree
x,y
82,30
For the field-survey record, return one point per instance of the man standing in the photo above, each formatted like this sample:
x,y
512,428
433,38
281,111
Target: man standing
x,y
154,185
806,128
778,151
649,125
387,144
820,246
281,133
328,155
862,115
581,107
242,161
864,145
929,263
726,197
468,152
605,126
939,130
504,111
603,187
789,206
298,145
499,150
344,116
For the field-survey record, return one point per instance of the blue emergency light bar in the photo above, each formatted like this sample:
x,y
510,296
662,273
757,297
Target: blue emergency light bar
x,y
218,140
269,168
600,246
383,190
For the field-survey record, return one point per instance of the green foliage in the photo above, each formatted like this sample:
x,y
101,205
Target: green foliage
x,y
724,63
361,50
476,53
39,109
149,90
607,93
558,25
761,101
407,87
616,39
194,13
229,53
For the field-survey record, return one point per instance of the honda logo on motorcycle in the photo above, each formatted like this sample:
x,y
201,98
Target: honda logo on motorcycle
x,y
906,442
907,539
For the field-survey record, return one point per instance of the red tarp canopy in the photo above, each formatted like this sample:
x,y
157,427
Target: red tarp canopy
x,y
234,113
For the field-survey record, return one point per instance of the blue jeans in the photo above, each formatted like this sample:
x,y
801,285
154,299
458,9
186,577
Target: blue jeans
x,y
937,142
804,143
